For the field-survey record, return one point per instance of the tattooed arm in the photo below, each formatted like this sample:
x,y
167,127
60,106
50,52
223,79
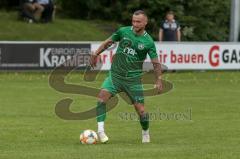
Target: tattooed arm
x,y
106,44
158,74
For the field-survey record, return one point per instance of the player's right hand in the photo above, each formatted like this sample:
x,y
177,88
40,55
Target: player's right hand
x,y
93,60
159,86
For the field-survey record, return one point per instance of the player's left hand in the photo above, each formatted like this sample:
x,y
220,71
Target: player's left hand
x,y
159,86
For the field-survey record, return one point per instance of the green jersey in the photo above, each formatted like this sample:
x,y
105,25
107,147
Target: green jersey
x,y
131,52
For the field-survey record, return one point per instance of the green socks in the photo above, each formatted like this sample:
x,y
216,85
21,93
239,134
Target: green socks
x,y
101,111
101,116
144,121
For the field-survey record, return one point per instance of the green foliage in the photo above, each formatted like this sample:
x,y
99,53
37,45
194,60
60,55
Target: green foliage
x,y
60,30
205,20
9,4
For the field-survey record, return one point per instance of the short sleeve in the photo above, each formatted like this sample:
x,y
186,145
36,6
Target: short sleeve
x,y
116,36
161,25
152,51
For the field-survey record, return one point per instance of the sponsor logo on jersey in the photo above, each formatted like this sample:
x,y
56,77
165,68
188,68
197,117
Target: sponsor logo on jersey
x,y
129,51
125,42
140,46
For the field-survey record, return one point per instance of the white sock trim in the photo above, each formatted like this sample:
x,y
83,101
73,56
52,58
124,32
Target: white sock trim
x,y
101,126
144,132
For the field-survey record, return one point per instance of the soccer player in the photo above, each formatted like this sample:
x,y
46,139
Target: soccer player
x,y
126,71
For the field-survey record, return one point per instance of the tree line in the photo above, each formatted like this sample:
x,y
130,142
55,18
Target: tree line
x,y
201,20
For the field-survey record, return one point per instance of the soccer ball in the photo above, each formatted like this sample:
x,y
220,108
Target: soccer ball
x,y
88,137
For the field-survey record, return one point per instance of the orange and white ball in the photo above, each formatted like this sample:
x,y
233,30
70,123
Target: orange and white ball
x,y
88,137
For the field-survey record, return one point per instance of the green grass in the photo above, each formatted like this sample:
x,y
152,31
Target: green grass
x,y
60,30
29,127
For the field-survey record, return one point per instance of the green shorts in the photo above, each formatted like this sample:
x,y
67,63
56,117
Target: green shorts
x,y
133,88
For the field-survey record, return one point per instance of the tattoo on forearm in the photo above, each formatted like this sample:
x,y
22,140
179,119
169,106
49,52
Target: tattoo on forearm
x,y
157,70
104,46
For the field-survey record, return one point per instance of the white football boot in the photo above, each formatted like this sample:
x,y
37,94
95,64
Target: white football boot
x,y
145,136
102,137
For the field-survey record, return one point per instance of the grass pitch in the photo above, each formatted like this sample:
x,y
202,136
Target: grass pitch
x,y
29,127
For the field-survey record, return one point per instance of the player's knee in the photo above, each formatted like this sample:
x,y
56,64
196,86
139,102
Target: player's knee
x,y
102,98
140,109
140,112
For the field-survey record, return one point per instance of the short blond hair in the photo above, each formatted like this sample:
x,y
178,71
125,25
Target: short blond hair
x,y
138,12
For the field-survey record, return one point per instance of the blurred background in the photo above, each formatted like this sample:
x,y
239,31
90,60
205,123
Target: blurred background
x,y
205,20
199,46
